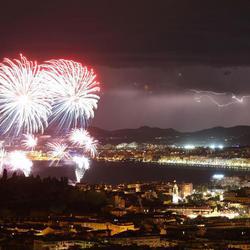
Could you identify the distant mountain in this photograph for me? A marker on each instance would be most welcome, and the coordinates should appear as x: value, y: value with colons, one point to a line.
x: 232, y: 136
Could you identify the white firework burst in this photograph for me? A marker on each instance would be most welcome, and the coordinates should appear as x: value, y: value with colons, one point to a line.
x: 90, y: 146
x: 30, y: 141
x: 58, y: 151
x: 17, y: 160
x: 82, y: 164
x: 25, y: 102
x: 74, y: 90
x: 81, y: 137
x: 78, y: 136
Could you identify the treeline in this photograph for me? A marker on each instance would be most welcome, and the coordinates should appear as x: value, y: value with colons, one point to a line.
x: 20, y: 195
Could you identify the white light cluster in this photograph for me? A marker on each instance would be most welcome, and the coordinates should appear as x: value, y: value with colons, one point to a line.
x: 215, y: 146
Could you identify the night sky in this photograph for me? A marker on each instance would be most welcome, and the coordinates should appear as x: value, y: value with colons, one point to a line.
x: 149, y: 55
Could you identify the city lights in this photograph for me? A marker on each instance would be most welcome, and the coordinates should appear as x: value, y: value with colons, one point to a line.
x: 218, y: 176
x: 189, y: 146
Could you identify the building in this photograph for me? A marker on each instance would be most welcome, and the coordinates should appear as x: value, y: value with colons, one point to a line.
x: 186, y: 189
x: 151, y: 241
x: 175, y: 194
x: 119, y: 202
x: 61, y: 244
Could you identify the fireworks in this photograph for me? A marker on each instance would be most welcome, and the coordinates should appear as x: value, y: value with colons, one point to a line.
x: 74, y: 92
x: 17, y: 160
x: 81, y: 137
x: 82, y: 164
x: 91, y: 146
x: 60, y: 92
x: 2, y: 158
x: 78, y: 136
x: 58, y: 151
x: 24, y: 97
x: 30, y: 141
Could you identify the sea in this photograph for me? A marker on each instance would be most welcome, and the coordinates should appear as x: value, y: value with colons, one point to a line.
x: 129, y: 172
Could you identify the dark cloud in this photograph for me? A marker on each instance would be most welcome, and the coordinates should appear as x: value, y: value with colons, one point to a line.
x: 129, y: 33
x: 178, y: 79
x: 148, y: 54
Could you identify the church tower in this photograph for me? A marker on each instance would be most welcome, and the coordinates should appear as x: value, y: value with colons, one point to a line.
x: 175, y: 194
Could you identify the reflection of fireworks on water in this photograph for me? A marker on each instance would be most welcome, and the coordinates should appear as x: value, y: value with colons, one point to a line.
x: 24, y: 97
x: 58, y: 151
x: 81, y: 137
x: 74, y: 92
x: 30, y: 141
x: 82, y: 164
x: 17, y: 160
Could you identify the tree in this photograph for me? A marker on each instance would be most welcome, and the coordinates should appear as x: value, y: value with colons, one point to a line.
x: 5, y: 175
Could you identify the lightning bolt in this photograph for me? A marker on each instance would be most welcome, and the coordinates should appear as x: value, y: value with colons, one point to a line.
x: 203, y: 94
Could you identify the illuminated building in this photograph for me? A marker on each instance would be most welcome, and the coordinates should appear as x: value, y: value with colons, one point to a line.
x: 175, y: 195
x: 62, y: 245
x: 186, y: 189
x: 119, y: 202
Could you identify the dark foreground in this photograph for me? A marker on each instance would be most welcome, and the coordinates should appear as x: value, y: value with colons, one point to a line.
x: 47, y: 214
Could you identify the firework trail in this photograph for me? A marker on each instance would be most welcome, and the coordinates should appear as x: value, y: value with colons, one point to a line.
x: 25, y: 102
x: 74, y: 92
